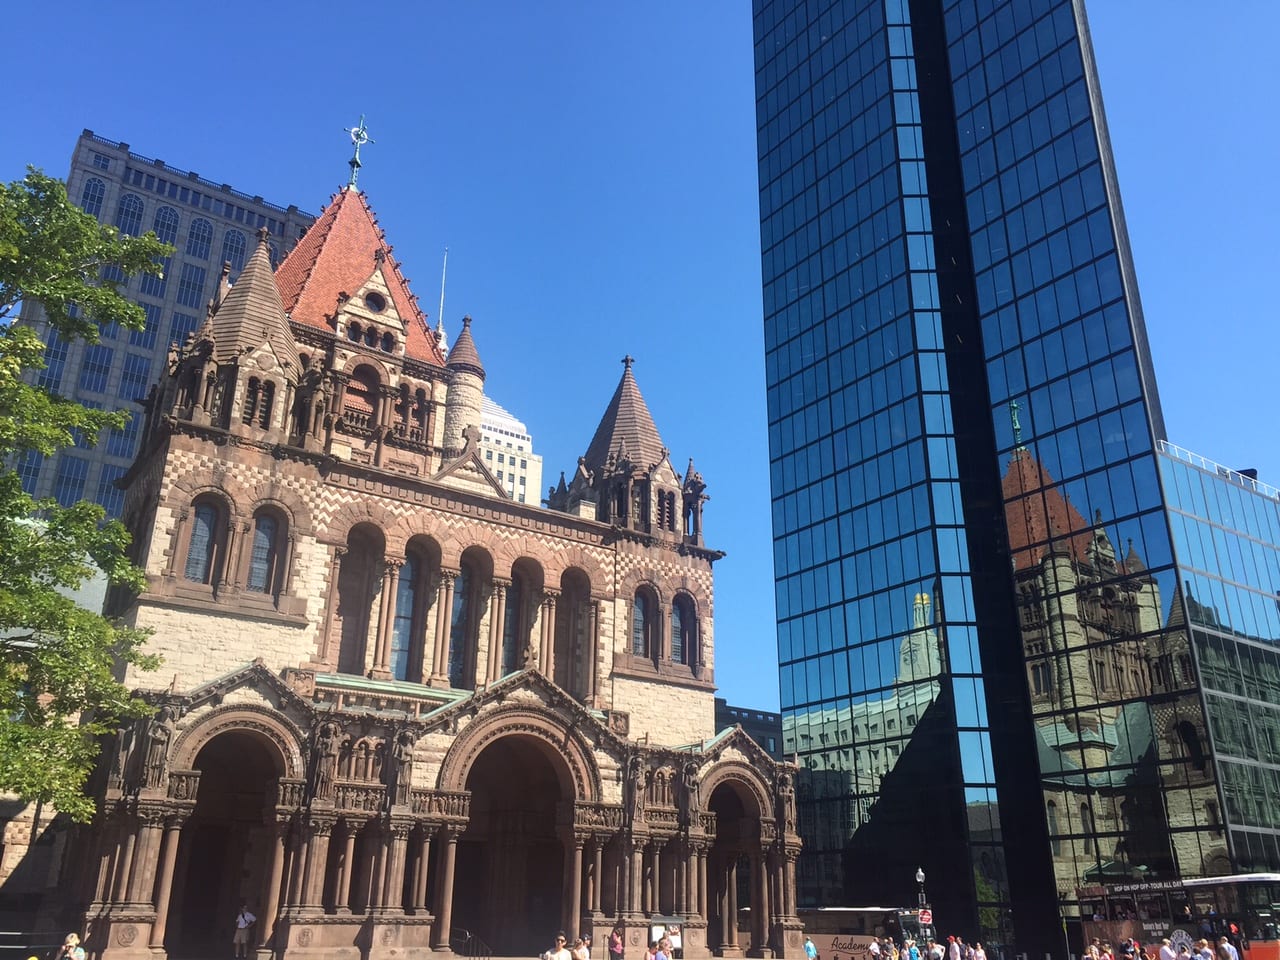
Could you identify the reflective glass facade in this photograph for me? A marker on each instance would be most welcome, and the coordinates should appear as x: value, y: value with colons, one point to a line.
x: 985, y: 662
x: 1226, y: 531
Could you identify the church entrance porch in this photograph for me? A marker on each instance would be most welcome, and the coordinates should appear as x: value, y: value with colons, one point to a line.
x: 226, y: 848
x: 512, y: 889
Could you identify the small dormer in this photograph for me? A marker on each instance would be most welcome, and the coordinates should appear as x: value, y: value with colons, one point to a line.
x: 369, y: 317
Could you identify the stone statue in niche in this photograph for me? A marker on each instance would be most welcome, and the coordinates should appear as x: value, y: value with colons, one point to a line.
x: 634, y: 786
x: 786, y: 802
x: 327, y: 746
x: 400, y: 770
x: 159, y: 736
x: 690, y: 798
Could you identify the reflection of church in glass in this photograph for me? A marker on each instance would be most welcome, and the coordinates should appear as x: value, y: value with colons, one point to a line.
x: 857, y: 747
x: 1121, y: 739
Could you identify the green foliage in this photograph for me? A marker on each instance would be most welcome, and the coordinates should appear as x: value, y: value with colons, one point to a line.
x: 58, y: 673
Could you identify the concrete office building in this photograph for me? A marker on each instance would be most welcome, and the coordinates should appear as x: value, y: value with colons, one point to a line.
x: 208, y: 224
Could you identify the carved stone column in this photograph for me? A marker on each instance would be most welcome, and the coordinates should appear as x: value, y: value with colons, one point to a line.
x: 320, y: 828
x: 342, y: 893
x: 444, y: 620
x: 703, y: 905
x: 226, y: 576
x: 421, y: 873
x: 573, y: 884
x: 393, y: 884
x: 275, y: 879
x: 331, y: 608
x: 592, y: 653
x: 146, y: 854
x: 597, y: 875
x: 386, y: 618
x: 164, y: 886
x: 444, y: 908
x: 549, y: 633
x: 497, y: 618
x: 124, y: 861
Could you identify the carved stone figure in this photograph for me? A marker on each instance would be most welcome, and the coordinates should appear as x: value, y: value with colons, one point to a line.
x: 786, y: 803
x: 690, y: 796
x: 327, y: 747
x: 159, y: 736
x: 400, y: 770
x: 634, y: 787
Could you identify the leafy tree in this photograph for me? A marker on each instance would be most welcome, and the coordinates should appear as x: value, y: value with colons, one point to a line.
x: 59, y: 691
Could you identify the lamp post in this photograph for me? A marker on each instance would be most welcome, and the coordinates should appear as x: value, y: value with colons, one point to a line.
x: 920, y: 881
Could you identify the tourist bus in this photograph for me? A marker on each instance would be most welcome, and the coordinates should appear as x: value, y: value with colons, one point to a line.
x: 845, y: 933
x: 1245, y: 908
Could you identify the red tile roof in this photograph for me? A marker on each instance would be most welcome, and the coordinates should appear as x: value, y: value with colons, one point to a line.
x: 337, y: 255
x: 1036, y: 510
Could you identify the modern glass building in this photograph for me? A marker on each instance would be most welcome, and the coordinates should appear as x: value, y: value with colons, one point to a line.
x: 986, y: 668
x: 208, y: 224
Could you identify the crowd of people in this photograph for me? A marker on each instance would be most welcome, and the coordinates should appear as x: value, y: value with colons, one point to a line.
x: 1130, y: 949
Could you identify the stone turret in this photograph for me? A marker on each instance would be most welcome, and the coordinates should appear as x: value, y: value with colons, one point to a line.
x: 466, y: 392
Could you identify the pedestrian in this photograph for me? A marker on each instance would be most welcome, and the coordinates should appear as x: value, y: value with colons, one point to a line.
x: 617, y: 942
x: 810, y: 950
x: 71, y: 949
x: 586, y: 946
x: 557, y: 951
x: 244, y: 930
x: 874, y: 949
x: 978, y: 952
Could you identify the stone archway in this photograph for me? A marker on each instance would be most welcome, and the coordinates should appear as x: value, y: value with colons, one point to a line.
x: 226, y: 847
x: 737, y: 863
x: 510, y: 889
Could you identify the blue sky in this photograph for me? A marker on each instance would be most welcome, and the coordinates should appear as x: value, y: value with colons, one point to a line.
x: 591, y: 167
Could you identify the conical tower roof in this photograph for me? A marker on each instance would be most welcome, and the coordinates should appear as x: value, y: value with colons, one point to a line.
x: 251, y: 313
x: 464, y: 355
x: 1042, y: 516
x: 626, y: 426
x: 336, y: 256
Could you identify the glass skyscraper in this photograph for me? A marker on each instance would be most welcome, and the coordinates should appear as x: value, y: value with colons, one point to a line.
x: 986, y: 664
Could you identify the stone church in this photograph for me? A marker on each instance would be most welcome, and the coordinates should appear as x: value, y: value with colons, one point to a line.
x: 399, y: 712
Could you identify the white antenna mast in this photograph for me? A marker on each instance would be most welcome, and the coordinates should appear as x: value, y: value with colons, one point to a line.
x: 441, y: 337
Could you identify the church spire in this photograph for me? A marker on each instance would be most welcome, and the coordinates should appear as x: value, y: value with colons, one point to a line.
x: 251, y: 313
x: 626, y: 425
x: 359, y: 137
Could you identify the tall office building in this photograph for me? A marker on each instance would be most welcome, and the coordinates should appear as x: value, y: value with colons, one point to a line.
x: 508, y: 452
x: 986, y: 666
x: 208, y: 224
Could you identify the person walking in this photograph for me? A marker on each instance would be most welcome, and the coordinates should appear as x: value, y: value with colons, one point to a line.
x: 557, y: 951
x: 617, y: 942
x: 810, y: 951
x: 244, y: 930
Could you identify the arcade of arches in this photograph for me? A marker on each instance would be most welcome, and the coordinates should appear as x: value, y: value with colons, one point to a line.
x: 481, y: 827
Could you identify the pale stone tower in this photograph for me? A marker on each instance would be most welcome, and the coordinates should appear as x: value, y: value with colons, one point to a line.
x: 466, y: 392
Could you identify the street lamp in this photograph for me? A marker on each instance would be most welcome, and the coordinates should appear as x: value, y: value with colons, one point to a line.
x: 920, y: 881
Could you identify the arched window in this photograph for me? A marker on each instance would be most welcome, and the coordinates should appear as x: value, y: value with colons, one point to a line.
x: 129, y: 215
x: 233, y: 247
x: 1055, y: 840
x: 200, y: 238
x: 202, y: 547
x: 95, y: 191
x: 644, y: 624
x: 353, y: 331
x: 166, y: 225
x: 266, y: 558
x: 1191, y: 743
x: 360, y: 573
x: 1086, y: 825
x: 361, y: 404
x: 252, y: 392
x: 264, y: 406
x: 371, y: 337
x: 406, y: 613
x: 684, y: 630
x: 388, y: 343
x: 460, y: 629
x: 511, y: 621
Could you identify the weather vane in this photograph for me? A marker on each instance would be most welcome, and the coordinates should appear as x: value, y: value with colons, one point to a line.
x: 359, y: 137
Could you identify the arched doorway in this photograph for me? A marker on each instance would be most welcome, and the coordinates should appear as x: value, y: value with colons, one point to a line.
x: 736, y: 870
x: 225, y: 851
x: 509, y: 886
